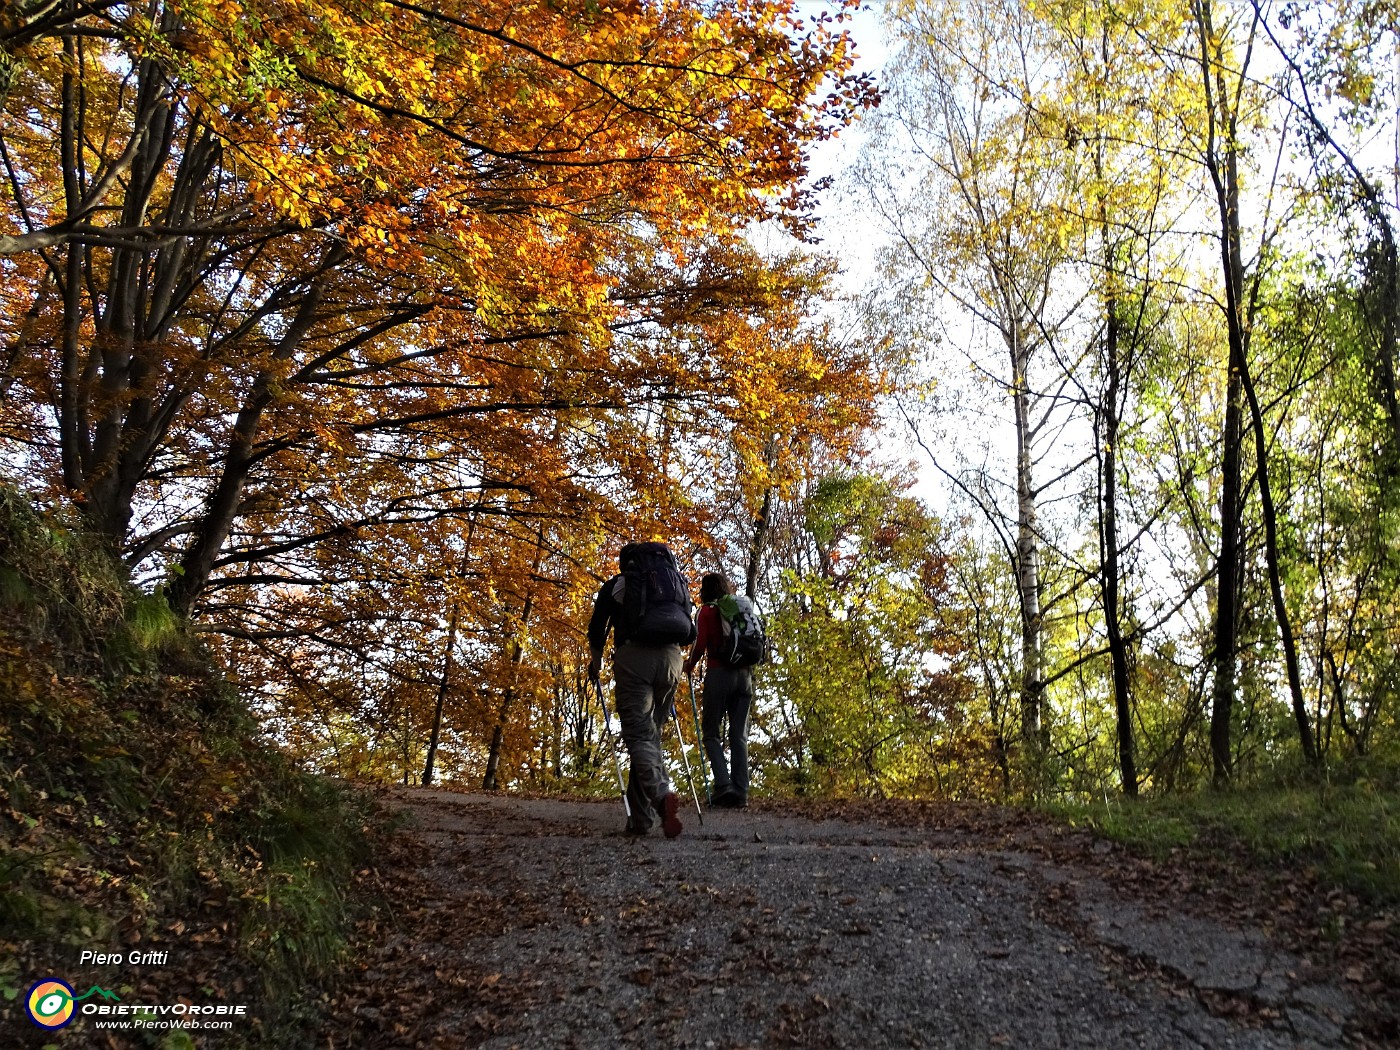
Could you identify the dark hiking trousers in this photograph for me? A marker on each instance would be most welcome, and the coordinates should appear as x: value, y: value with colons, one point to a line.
x: 728, y: 695
x: 645, y: 679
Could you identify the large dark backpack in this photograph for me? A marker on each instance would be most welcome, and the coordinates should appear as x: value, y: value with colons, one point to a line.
x: 656, y: 605
x: 742, y: 641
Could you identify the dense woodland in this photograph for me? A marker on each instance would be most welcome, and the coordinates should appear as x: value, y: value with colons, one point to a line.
x: 365, y: 331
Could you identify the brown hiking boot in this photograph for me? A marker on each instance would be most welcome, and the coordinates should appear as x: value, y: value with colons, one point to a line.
x: 670, y: 822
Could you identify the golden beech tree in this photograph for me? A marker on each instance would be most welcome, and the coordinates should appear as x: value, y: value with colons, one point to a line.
x: 459, y: 606
x: 341, y: 319
x: 251, y: 240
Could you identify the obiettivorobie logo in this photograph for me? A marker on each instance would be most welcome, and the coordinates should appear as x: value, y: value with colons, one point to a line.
x: 50, y: 1003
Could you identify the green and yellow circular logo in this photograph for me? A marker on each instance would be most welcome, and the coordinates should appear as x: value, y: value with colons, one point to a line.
x: 50, y: 1003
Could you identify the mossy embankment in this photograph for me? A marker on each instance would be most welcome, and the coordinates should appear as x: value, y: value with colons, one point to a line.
x: 142, y: 816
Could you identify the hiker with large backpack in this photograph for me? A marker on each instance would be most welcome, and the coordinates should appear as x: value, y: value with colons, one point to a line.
x: 647, y: 606
x: 730, y: 640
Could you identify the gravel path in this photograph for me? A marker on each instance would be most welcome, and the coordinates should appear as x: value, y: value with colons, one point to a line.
x: 537, y: 923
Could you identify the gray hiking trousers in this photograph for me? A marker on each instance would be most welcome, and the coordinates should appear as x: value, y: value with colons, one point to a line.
x: 728, y: 697
x: 645, y: 680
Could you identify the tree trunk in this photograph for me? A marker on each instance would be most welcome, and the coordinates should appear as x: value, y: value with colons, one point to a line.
x: 1285, y: 626
x: 1109, y: 568
x: 1110, y: 572
x: 1386, y: 290
x: 517, y: 655
x: 441, y: 697
x: 1027, y: 564
x: 489, y: 782
x: 222, y: 509
x: 762, y: 525
x: 1224, y: 173
x: 116, y: 460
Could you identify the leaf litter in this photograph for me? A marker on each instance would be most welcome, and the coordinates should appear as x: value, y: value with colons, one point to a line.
x: 515, y: 922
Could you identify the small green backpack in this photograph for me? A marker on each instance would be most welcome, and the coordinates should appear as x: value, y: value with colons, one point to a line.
x: 743, y: 643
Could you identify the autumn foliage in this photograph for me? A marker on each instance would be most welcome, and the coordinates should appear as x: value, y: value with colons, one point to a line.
x: 364, y: 330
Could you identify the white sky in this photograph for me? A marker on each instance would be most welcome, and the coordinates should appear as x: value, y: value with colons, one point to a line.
x: 846, y: 229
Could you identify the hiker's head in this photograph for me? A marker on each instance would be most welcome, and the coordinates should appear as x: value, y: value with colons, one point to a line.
x: 625, y: 555
x: 714, y: 586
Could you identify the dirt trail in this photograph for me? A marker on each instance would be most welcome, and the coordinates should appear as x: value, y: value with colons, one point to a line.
x: 537, y: 923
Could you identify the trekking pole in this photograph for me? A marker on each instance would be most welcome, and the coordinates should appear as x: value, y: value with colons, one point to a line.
x: 617, y: 761
x: 699, y: 737
x: 675, y: 713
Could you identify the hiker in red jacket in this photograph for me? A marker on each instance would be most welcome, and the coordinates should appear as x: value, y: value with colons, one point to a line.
x: 728, y: 695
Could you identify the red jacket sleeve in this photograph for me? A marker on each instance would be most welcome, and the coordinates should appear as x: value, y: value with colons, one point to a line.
x: 708, y: 632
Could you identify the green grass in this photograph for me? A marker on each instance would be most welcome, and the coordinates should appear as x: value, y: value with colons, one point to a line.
x: 1347, y: 835
x: 308, y: 840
